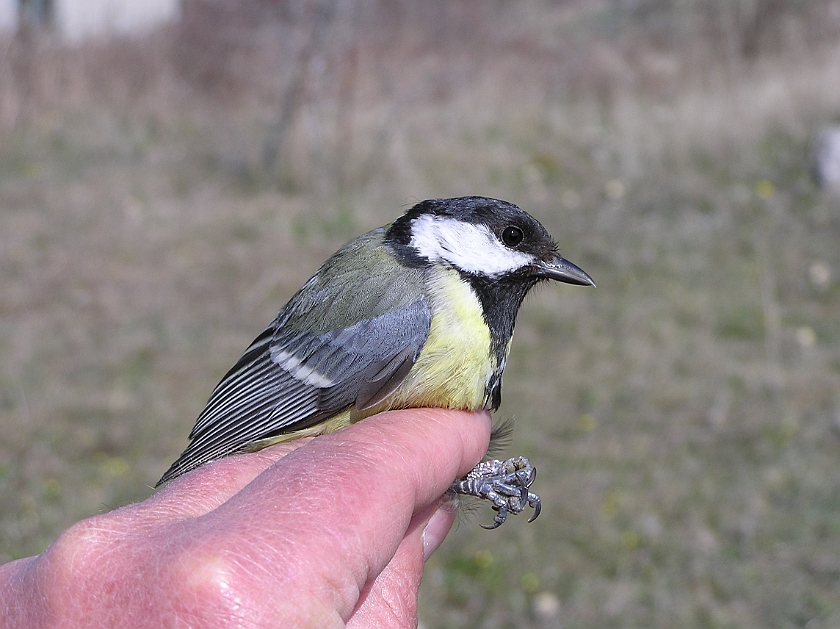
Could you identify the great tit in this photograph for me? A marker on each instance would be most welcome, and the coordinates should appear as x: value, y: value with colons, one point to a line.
x: 418, y: 313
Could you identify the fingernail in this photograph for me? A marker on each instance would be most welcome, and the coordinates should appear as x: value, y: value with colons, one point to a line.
x: 436, y: 530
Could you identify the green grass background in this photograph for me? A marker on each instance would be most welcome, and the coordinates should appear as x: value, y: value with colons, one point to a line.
x: 157, y: 207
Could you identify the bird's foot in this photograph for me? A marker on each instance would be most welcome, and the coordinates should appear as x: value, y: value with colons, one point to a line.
x: 506, y: 484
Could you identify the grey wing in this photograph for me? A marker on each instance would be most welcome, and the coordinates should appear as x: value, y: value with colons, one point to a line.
x: 288, y: 380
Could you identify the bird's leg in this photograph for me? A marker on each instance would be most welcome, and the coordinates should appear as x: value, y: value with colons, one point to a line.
x: 506, y: 484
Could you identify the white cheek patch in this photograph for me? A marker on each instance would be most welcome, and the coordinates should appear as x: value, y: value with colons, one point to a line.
x: 468, y: 247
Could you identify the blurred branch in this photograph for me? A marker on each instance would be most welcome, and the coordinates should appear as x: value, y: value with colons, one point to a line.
x: 346, y: 102
x: 764, y: 16
x: 293, y: 97
x: 772, y: 312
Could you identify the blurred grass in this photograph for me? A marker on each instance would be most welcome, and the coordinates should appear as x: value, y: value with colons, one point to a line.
x: 684, y: 416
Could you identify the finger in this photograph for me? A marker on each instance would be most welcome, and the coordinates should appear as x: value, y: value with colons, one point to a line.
x: 391, y: 600
x: 438, y: 528
x: 211, y: 485
x: 336, y: 510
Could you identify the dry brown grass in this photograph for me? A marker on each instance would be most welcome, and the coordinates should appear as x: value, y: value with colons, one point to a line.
x: 683, y: 416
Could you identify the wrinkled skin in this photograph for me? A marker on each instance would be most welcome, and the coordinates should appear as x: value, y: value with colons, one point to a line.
x: 329, y: 533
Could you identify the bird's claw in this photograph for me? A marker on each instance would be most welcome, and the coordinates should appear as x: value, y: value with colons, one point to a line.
x: 506, y: 484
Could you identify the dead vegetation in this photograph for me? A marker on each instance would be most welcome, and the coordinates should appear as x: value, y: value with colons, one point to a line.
x: 161, y: 198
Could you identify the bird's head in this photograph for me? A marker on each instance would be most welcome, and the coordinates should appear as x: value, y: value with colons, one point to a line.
x: 481, y: 237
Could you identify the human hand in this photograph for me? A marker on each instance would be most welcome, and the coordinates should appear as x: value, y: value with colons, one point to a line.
x: 333, y: 532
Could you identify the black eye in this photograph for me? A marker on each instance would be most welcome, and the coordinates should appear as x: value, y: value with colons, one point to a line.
x: 512, y: 236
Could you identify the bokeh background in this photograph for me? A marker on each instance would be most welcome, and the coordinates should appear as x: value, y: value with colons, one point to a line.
x: 162, y: 194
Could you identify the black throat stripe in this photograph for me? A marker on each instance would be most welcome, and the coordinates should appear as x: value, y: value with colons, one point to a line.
x: 500, y: 300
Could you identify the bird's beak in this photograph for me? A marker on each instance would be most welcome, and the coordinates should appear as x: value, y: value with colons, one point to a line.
x: 562, y: 270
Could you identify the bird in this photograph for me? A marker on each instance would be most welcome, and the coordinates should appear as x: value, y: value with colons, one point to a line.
x: 417, y: 313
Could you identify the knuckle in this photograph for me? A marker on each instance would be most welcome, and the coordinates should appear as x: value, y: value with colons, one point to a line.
x: 81, y: 547
x: 214, y: 585
x: 78, y: 567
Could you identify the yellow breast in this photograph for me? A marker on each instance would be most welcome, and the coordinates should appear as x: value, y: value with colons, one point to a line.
x: 456, y: 363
